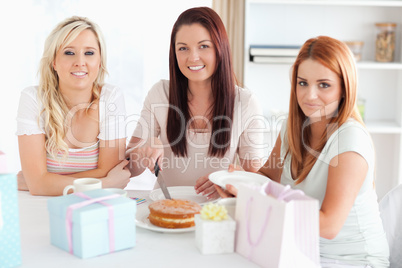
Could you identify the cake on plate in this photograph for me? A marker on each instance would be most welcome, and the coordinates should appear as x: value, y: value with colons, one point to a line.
x: 173, y: 213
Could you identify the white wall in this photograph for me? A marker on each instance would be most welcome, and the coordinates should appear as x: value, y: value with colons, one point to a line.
x: 137, y: 35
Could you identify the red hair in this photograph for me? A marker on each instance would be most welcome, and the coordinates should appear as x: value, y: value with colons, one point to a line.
x: 336, y: 56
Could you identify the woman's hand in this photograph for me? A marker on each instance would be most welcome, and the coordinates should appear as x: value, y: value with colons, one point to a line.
x: 117, y: 177
x: 230, y: 191
x: 205, y: 187
x: 145, y: 154
x: 22, y: 185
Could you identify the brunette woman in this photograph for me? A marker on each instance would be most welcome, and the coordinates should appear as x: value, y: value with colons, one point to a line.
x: 199, y: 121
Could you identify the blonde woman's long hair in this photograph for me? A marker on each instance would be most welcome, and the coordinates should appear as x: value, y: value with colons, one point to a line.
x: 55, y: 108
x: 336, y: 56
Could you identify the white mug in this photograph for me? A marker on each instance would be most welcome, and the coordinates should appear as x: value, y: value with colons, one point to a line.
x: 83, y: 184
x: 117, y: 191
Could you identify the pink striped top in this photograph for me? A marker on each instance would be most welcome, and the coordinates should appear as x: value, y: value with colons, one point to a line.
x: 78, y: 160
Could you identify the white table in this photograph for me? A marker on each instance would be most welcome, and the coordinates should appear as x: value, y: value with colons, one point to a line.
x: 153, y: 249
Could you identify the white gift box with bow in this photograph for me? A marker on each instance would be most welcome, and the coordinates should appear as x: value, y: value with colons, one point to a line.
x: 214, y: 237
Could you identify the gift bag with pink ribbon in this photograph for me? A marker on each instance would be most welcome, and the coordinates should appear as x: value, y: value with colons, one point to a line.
x: 277, y: 226
x: 92, y: 223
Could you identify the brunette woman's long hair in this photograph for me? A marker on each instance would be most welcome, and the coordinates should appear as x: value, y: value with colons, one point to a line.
x: 223, y: 86
x: 336, y: 56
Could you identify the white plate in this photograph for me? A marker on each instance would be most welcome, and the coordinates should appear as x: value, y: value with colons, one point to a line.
x: 180, y: 192
x: 236, y: 178
x: 141, y: 220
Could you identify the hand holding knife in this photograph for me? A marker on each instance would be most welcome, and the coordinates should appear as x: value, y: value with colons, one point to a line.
x: 161, y: 182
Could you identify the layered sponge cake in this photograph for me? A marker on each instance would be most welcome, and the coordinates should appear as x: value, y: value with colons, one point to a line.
x: 175, y: 213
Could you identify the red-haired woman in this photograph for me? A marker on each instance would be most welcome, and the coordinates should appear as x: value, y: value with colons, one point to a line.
x: 199, y: 120
x: 325, y: 150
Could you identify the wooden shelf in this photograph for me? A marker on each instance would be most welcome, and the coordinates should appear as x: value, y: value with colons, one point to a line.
x: 368, y: 65
x: 395, y: 3
x: 379, y: 65
x: 374, y: 127
x: 383, y: 127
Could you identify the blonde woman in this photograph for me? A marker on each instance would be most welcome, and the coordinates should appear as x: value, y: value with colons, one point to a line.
x: 325, y: 150
x: 72, y: 124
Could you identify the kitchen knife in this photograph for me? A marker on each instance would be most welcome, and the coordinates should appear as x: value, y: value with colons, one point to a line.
x: 161, y: 182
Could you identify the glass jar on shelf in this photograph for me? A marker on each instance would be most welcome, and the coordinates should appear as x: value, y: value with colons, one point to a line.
x: 356, y: 47
x: 385, y: 42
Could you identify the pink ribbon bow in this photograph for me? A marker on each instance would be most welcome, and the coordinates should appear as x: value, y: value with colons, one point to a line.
x: 89, y: 201
x: 280, y: 192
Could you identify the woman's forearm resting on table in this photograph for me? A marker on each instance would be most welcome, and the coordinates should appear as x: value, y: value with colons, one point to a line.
x: 47, y: 183
x: 41, y: 182
x: 53, y: 184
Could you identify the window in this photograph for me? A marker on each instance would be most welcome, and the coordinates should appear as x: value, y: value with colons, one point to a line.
x: 137, y: 35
